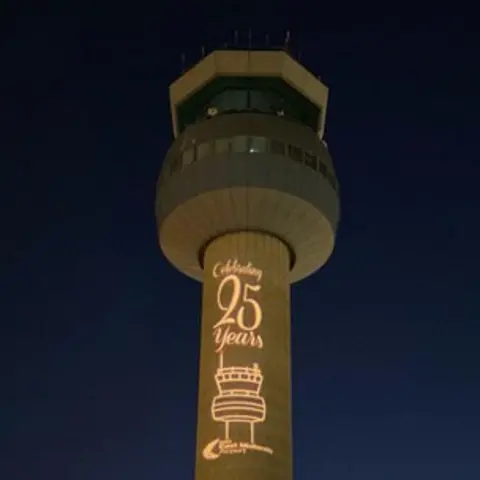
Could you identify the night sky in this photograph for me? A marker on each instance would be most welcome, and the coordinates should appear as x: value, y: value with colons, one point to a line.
x: 100, y: 335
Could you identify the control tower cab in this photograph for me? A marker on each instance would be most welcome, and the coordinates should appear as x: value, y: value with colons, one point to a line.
x: 248, y: 156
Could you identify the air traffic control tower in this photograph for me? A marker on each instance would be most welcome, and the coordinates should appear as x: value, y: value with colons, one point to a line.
x: 247, y: 203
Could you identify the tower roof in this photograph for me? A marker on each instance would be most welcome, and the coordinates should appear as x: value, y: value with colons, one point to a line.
x: 249, y: 63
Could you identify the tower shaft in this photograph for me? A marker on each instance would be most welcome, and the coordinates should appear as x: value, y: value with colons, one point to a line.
x: 244, y: 398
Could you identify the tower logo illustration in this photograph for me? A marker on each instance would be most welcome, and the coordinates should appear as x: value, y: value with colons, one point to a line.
x: 238, y: 399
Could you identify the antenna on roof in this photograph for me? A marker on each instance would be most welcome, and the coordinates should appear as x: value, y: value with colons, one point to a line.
x: 267, y: 39
x: 287, y: 39
x: 249, y: 38
x: 235, y: 37
x: 203, y: 51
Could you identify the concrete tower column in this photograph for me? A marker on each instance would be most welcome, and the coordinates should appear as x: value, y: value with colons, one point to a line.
x: 244, y: 386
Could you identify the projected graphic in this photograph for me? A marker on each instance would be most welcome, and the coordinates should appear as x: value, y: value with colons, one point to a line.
x: 239, y: 399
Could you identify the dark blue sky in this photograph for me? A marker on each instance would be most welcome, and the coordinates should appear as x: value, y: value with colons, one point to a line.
x: 100, y: 335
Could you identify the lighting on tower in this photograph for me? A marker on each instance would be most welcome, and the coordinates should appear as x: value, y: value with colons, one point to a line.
x: 247, y: 203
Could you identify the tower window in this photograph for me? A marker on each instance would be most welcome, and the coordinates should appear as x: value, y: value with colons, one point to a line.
x: 204, y: 150
x: 223, y: 145
x: 277, y: 147
x: 257, y: 145
x: 311, y: 160
x: 176, y: 165
x: 233, y: 99
x: 322, y: 169
x: 262, y: 101
x: 295, y: 153
x: 265, y: 95
x: 188, y: 157
x: 239, y: 144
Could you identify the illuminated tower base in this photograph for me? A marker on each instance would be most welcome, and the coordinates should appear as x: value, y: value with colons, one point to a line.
x: 245, y: 360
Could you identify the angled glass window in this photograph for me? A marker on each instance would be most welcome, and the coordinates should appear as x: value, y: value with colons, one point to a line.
x: 204, y: 150
x: 238, y: 100
x: 322, y: 169
x: 188, y: 157
x: 223, y: 145
x: 230, y: 100
x: 176, y: 165
x: 240, y: 144
x: 263, y: 101
x: 295, y: 153
x: 277, y: 147
x: 311, y: 160
x: 257, y: 145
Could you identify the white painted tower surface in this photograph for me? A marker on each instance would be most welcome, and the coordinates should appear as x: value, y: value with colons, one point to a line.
x: 247, y: 203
